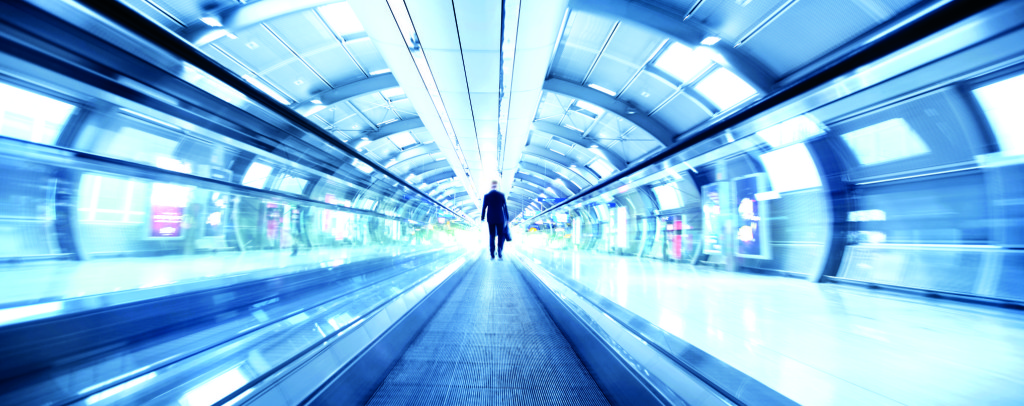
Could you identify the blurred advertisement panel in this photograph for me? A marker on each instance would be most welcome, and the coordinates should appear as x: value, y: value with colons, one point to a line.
x: 167, y: 209
x: 712, y: 206
x: 752, y: 232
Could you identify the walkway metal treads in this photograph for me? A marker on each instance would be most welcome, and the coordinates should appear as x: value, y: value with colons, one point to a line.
x: 490, y: 343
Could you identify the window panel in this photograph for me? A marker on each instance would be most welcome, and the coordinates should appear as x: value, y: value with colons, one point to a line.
x: 724, y: 89
x: 1001, y: 103
x: 887, y: 141
x: 681, y: 62
x: 257, y: 175
x: 31, y: 117
x: 791, y: 168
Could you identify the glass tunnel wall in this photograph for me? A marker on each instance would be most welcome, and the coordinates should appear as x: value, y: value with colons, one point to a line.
x: 918, y: 191
x: 88, y: 180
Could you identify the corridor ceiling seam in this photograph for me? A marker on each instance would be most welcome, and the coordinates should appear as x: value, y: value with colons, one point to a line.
x: 155, y: 34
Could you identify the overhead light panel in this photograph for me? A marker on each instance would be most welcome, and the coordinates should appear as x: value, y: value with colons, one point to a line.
x: 212, y: 21
x: 794, y: 130
x: 341, y: 19
x: 724, y: 89
x: 589, y: 107
x: 601, y: 89
x: 392, y: 93
x: 681, y: 62
x: 380, y: 72
x: 402, y: 139
x: 709, y: 41
x: 313, y: 109
x: 362, y: 166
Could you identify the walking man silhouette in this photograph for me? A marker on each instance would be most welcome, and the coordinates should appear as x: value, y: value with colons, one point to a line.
x: 496, y: 214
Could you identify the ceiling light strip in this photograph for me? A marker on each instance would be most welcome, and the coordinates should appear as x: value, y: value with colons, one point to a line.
x: 507, y: 54
x: 408, y: 30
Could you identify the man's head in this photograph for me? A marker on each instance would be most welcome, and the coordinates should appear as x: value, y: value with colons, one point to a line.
x: 494, y: 185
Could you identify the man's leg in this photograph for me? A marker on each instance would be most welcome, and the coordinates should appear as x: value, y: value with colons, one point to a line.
x: 501, y: 239
x: 492, y: 231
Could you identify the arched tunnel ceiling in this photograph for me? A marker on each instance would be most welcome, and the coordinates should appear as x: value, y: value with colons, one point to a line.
x: 578, y: 90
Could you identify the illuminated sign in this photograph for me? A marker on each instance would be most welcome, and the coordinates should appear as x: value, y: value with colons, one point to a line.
x: 167, y: 209
x: 711, y: 204
x: 752, y: 231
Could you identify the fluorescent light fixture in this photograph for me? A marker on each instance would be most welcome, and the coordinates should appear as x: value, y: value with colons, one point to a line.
x: 380, y: 72
x: 257, y: 175
x: 724, y: 89
x: 1001, y: 102
x: 890, y: 140
x: 12, y: 314
x: 601, y: 89
x: 212, y: 21
x: 668, y: 196
x: 602, y: 168
x: 791, y: 131
x: 392, y: 93
x: 709, y: 41
x: 341, y: 19
x: 390, y: 163
x: 559, y: 153
x: 362, y: 166
x: 403, y: 139
x: 681, y: 62
x: 765, y: 196
x: 313, y: 109
x: 317, y: 101
x: 172, y: 164
x: 292, y: 184
x: 589, y: 107
x: 571, y: 127
x: 362, y: 143
x: 265, y: 89
x: 215, y: 389
x: 691, y: 167
x: 791, y: 168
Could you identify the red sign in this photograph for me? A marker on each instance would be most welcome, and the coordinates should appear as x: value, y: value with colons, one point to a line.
x: 165, y: 221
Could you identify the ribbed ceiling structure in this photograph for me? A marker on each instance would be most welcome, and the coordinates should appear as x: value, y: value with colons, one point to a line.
x: 547, y: 96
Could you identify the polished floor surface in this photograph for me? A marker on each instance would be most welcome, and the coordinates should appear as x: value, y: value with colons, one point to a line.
x: 818, y: 344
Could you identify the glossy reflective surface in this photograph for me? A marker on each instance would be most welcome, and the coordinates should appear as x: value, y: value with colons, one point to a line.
x: 817, y: 343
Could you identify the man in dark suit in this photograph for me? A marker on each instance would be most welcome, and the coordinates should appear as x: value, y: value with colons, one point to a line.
x: 496, y: 214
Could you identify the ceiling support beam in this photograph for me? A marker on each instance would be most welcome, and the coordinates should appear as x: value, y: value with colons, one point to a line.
x: 566, y: 179
x: 242, y: 16
x: 609, y: 103
x: 569, y: 135
x: 686, y: 31
x: 355, y: 89
x: 542, y: 180
x: 393, y: 128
